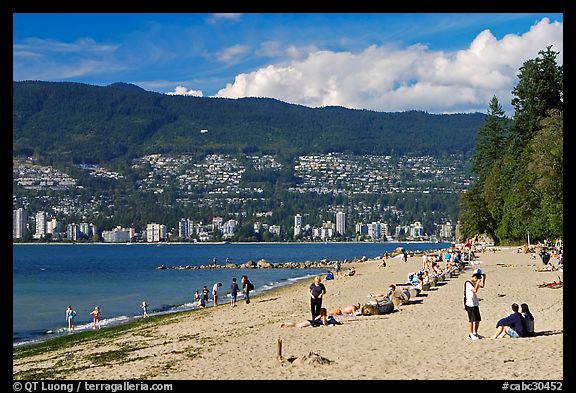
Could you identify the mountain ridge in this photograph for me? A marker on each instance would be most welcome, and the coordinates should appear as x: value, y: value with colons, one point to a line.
x: 66, y: 121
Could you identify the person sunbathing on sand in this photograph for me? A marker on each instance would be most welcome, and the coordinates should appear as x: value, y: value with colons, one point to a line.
x: 353, y: 309
x: 548, y: 268
x: 322, y: 319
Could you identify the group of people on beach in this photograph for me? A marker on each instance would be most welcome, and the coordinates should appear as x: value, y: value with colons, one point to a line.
x: 201, y: 300
x: 518, y: 323
x: 71, y: 314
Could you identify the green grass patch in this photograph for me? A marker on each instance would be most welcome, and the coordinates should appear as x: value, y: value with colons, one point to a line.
x: 105, y: 334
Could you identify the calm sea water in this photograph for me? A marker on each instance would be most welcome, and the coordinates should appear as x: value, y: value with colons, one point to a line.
x: 118, y: 277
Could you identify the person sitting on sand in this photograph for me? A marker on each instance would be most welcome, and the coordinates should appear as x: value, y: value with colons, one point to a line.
x: 353, y: 309
x: 512, y: 325
x: 351, y: 272
x: 394, y: 295
x: 528, y: 320
x: 321, y: 320
x: 384, y: 261
x: 425, y: 277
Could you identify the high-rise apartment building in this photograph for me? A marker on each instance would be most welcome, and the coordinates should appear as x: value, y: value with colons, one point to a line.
x: 41, y: 225
x: 19, y: 223
x: 341, y: 223
x: 297, y: 224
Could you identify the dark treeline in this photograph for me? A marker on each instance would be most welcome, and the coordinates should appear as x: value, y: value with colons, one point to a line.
x: 519, y: 161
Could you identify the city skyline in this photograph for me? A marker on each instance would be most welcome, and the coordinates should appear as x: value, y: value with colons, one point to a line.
x: 46, y: 227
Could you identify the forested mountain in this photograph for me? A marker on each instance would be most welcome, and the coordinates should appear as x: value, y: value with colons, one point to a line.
x: 79, y: 123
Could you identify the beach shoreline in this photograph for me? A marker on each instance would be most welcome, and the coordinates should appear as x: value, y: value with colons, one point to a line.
x: 197, y: 344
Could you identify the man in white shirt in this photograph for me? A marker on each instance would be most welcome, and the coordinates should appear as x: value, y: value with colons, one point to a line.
x: 215, y: 293
x: 471, y: 304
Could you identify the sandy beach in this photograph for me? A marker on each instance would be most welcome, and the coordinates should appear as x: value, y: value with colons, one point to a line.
x: 426, y: 340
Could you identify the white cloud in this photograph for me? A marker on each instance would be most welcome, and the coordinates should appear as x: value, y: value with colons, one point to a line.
x: 394, y: 79
x: 182, y: 91
x: 81, y: 45
x: 232, y: 17
x: 231, y: 53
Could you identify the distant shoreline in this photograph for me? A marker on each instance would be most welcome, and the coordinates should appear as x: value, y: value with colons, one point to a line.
x: 216, y: 243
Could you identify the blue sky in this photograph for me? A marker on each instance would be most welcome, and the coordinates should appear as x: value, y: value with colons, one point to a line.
x: 440, y: 63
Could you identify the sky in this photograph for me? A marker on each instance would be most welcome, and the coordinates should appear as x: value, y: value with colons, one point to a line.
x: 386, y: 62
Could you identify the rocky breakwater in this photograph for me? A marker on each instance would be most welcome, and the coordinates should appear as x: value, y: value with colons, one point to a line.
x: 264, y: 264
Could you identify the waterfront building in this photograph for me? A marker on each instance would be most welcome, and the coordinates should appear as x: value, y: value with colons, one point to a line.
x: 228, y: 228
x: 19, y: 223
x: 341, y: 223
x: 155, y: 232
x: 361, y: 229
x: 73, y: 231
x: 118, y: 235
x: 41, y: 225
x: 446, y: 231
x: 217, y: 222
x: 297, y: 224
x: 183, y: 228
x: 416, y: 230
x: 274, y: 229
x: 87, y: 229
x: 54, y: 227
x: 374, y: 231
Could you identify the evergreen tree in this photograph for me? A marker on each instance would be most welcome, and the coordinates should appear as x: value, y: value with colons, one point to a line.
x: 490, y: 141
x: 521, y: 190
x: 539, y: 89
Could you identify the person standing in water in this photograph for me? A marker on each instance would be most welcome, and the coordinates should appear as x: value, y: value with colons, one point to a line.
x: 144, y: 308
x: 247, y: 286
x: 233, y: 292
x: 215, y: 293
x: 96, y: 314
x: 70, y: 314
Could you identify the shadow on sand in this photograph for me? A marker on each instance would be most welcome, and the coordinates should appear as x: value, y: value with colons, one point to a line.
x: 548, y: 332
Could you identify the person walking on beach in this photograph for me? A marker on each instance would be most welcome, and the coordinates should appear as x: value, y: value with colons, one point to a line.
x: 247, y: 286
x: 338, y: 269
x: 233, y: 292
x: 70, y: 314
x: 405, y: 256
x: 316, y: 291
x: 96, y: 314
x: 144, y: 308
x: 471, y: 304
x: 215, y: 293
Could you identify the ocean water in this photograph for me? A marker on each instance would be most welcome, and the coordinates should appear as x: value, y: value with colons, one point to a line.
x: 118, y: 277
